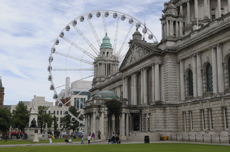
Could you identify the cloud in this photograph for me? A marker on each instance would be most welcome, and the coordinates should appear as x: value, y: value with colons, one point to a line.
x: 29, y: 27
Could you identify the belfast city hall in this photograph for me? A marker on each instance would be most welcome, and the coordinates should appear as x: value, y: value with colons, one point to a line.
x: 179, y: 87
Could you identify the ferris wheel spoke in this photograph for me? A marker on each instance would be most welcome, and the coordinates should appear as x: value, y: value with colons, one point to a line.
x: 75, y: 81
x: 72, y: 57
x: 94, y: 32
x: 116, y: 33
x: 121, y: 48
x: 104, y: 24
x: 77, y: 118
x: 83, y: 69
x: 87, y: 41
x: 79, y: 48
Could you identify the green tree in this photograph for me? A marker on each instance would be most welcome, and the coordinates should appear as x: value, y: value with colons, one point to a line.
x: 44, y: 118
x: 5, y: 119
x: 68, y: 123
x: 56, y: 132
x: 20, y: 117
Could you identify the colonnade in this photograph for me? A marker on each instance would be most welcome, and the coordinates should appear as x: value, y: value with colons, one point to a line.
x: 107, y: 125
x: 172, y: 27
x: 143, y: 90
x: 105, y: 69
x: 197, y: 68
x: 206, y: 8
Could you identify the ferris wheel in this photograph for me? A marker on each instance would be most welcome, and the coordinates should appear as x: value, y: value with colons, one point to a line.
x: 78, y: 44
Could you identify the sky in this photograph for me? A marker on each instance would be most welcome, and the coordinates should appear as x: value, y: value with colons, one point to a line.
x: 29, y: 28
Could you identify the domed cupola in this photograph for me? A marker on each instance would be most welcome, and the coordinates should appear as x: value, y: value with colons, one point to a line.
x: 106, y: 43
x: 171, y: 9
x: 137, y: 35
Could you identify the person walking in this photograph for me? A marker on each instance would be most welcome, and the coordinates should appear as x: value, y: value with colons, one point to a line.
x: 82, y: 139
x: 89, y: 138
x: 93, y: 137
x: 6, y: 137
x: 99, y: 134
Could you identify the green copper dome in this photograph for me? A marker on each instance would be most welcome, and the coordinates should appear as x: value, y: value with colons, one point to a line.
x: 106, y: 42
x: 106, y: 94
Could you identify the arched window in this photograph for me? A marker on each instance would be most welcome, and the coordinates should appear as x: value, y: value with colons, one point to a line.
x: 209, y: 78
x: 190, y: 83
x: 229, y: 72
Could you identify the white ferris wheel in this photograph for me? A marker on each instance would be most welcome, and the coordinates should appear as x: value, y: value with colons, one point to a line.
x: 77, y: 45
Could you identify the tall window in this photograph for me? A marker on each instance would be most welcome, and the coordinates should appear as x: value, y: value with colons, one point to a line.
x: 190, y: 83
x: 203, y: 119
x: 209, y: 78
x: 225, y: 112
x: 210, y: 119
x: 229, y: 72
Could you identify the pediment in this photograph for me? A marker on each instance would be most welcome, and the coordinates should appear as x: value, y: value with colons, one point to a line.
x: 135, y: 54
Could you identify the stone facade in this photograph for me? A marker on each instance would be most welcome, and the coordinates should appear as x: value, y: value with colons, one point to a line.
x: 158, y: 96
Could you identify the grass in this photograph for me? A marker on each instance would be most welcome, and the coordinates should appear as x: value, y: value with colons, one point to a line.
x: 162, y: 147
x: 9, y: 142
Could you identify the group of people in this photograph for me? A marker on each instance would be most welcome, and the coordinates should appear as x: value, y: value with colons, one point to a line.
x: 114, y: 139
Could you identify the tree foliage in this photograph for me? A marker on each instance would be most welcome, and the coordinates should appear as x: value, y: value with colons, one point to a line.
x: 67, y: 123
x: 5, y: 119
x: 44, y: 118
x: 20, y: 117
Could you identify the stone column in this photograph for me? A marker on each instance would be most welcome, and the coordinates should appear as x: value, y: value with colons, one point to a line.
x: 153, y: 83
x: 177, y: 29
x: 188, y: 12
x: 181, y: 9
x: 214, y: 70
x: 145, y: 87
x: 181, y: 28
x: 171, y: 28
x: 167, y: 23
x: 165, y: 30
x: 199, y: 76
x: 219, y: 8
x: 157, y: 82
x: 162, y: 30
x: 182, y: 80
x: 132, y: 90
x: 228, y: 5
x: 135, y: 88
x: 220, y: 69
x: 123, y: 124
x: 146, y: 122
x: 86, y: 124
x: 113, y: 123
x: 127, y: 124
x: 94, y: 123
x: 102, y: 124
x: 142, y: 87
x: 89, y: 125
x: 194, y: 76
x: 196, y: 8
x: 205, y: 8
x: 124, y: 88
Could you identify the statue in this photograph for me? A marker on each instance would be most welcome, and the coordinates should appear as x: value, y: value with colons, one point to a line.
x: 33, y: 123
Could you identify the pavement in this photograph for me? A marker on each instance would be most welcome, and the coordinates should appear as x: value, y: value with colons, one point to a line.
x: 98, y: 142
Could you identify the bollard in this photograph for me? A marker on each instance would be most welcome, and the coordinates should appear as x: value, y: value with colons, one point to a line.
x: 176, y: 137
x: 211, y: 138
x: 203, y: 138
x: 188, y: 138
x: 171, y: 137
x: 229, y: 139
x: 182, y: 137
x: 195, y: 138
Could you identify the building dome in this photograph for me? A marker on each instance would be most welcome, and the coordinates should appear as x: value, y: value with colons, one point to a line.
x: 137, y: 35
x: 106, y: 94
x: 106, y: 42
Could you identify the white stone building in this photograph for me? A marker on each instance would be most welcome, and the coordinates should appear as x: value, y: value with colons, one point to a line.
x: 178, y: 88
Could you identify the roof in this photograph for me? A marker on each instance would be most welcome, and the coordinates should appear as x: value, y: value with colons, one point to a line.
x: 106, y: 94
x: 106, y: 42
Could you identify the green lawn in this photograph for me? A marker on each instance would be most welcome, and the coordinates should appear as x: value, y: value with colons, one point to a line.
x: 2, y: 142
x: 164, y: 147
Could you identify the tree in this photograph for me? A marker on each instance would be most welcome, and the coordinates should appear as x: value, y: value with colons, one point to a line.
x: 20, y: 117
x: 56, y: 132
x: 44, y: 118
x: 68, y: 124
x: 5, y: 119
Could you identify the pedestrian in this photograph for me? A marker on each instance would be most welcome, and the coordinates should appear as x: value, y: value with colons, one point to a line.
x: 99, y: 134
x: 82, y: 139
x: 50, y: 138
x: 6, y: 137
x: 89, y: 138
x: 93, y: 137
x: 117, y: 138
